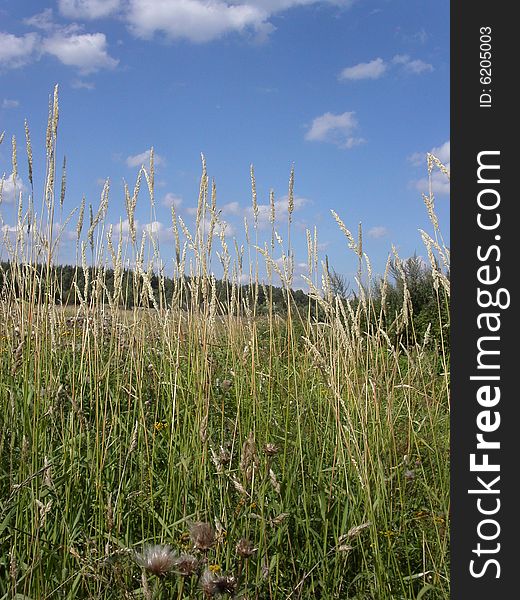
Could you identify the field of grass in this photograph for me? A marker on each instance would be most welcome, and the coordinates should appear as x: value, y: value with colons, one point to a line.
x: 196, y: 449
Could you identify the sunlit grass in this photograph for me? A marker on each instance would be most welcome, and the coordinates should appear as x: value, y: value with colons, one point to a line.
x: 185, y: 446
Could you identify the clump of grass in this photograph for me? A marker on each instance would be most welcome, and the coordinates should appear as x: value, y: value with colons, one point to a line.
x: 248, y: 452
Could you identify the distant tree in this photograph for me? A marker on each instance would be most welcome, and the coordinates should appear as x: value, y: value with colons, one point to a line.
x: 339, y: 284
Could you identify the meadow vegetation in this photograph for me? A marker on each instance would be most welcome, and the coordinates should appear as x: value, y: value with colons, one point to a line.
x: 183, y: 437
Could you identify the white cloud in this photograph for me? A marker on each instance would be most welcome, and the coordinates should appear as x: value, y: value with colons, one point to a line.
x: 378, y: 67
x: 441, y: 152
x: 231, y: 208
x: 86, y: 51
x: 281, y: 211
x: 171, y: 199
x: 88, y: 9
x: 418, y: 159
x: 220, y: 227
x: 8, y: 103
x: 143, y: 159
x: 155, y: 228
x: 123, y: 227
x: 369, y: 70
x: 418, y: 37
x: 418, y: 66
x: 206, y: 20
x: 9, y: 229
x: 414, y: 67
x: 10, y: 188
x: 377, y: 232
x: 43, y: 20
x: 336, y: 129
x: 16, y: 51
x: 234, y: 209
x: 440, y: 183
x: 79, y: 84
x: 299, y: 268
x: 195, y: 20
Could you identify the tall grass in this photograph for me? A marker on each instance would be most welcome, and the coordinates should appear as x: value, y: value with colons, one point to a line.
x: 315, y: 445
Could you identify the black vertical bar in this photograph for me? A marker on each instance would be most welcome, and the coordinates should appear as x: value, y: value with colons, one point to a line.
x: 485, y: 520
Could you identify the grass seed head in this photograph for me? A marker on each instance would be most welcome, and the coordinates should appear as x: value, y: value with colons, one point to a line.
x: 356, y: 530
x: 249, y: 458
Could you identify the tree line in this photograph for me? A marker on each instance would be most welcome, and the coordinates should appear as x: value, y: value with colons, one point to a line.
x: 69, y: 285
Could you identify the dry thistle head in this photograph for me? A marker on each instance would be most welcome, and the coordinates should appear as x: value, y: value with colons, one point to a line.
x: 245, y: 548
x: 213, y: 585
x: 271, y: 449
x: 224, y: 456
x: 159, y: 560
x: 226, y: 385
x: 409, y: 474
x: 202, y: 536
x: 186, y: 565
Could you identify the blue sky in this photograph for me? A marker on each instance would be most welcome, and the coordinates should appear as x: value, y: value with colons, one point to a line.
x: 353, y: 93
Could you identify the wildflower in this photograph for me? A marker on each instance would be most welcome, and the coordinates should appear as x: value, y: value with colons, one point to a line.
x: 202, y: 536
x: 214, y: 568
x: 213, y: 584
x: 388, y: 533
x: 245, y: 548
x: 158, y: 559
x: 186, y: 565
